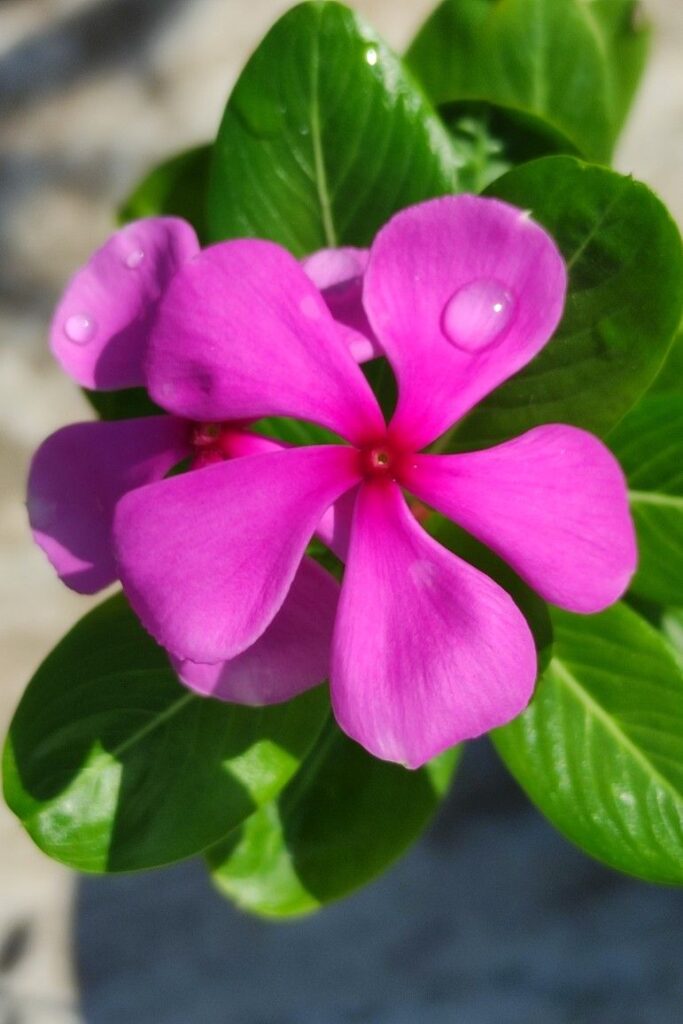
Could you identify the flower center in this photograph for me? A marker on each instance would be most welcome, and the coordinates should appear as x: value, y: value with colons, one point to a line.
x: 211, y: 443
x: 379, y: 461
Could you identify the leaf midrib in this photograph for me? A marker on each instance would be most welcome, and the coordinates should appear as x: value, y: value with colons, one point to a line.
x: 154, y: 723
x: 608, y: 722
x: 655, y: 498
x: 321, y: 183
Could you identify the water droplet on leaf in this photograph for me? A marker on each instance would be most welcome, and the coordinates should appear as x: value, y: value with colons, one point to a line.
x: 80, y: 328
x: 477, y: 314
x: 134, y: 258
x: 371, y: 56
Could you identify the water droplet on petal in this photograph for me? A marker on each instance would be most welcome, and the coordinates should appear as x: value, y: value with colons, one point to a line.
x: 80, y: 328
x: 477, y: 314
x: 134, y: 258
x: 371, y: 56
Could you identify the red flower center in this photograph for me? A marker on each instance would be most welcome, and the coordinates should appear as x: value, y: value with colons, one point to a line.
x: 211, y: 443
x: 380, y: 461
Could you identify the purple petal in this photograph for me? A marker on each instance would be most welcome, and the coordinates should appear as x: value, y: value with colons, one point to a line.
x: 334, y: 529
x: 338, y: 274
x: 427, y: 650
x: 76, y: 478
x: 553, y: 503
x: 100, y: 327
x: 207, y: 558
x: 461, y: 292
x: 291, y: 656
x: 243, y: 333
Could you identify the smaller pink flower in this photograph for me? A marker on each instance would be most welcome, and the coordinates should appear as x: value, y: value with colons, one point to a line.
x: 460, y: 293
x: 99, y: 335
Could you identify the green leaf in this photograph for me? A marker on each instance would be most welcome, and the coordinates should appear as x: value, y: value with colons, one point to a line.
x: 489, y: 140
x: 670, y: 377
x: 122, y: 405
x: 176, y: 188
x: 672, y: 627
x: 343, y: 819
x: 624, y: 303
x: 112, y: 765
x: 571, y: 62
x: 649, y: 445
x: 600, y: 748
x: 325, y: 136
x: 626, y: 35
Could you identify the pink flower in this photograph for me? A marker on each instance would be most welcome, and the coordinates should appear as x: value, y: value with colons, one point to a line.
x: 99, y: 334
x: 461, y: 293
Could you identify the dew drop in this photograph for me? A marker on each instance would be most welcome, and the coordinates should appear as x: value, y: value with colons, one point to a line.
x: 134, y: 258
x: 371, y: 56
x: 80, y: 328
x: 477, y: 314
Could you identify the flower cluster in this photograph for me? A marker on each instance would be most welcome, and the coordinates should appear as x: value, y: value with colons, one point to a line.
x: 422, y: 650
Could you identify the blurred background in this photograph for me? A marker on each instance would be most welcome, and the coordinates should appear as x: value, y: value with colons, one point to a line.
x: 493, y: 918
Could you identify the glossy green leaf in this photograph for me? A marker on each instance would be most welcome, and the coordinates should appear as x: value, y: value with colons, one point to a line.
x: 625, y: 32
x: 324, y: 137
x: 176, y: 188
x: 670, y: 377
x: 623, y: 307
x: 672, y: 627
x: 343, y: 819
x: 112, y: 765
x: 489, y: 140
x: 600, y: 748
x: 572, y: 62
x: 122, y: 405
x: 649, y: 445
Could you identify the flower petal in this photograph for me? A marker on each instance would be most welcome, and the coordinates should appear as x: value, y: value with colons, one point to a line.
x: 461, y: 292
x: 291, y: 656
x: 207, y: 558
x: 76, y: 478
x: 338, y: 274
x: 243, y: 333
x: 427, y: 650
x: 100, y: 327
x: 334, y: 529
x: 553, y: 503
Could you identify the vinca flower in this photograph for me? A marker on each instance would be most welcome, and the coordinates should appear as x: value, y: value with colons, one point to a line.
x: 99, y: 335
x: 460, y: 293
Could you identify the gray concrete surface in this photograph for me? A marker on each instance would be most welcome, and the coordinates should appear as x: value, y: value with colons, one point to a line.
x: 489, y: 920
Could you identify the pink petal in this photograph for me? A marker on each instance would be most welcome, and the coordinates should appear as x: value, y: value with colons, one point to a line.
x: 338, y: 274
x: 243, y: 333
x: 291, y: 656
x: 100, y: 327
x: 427, y: 650
x: 553, y: 503
x: 334, y: 529
x: 76, y: 478
x: 237, y: 443
x: 461, y: 292
x: 207, y: 558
